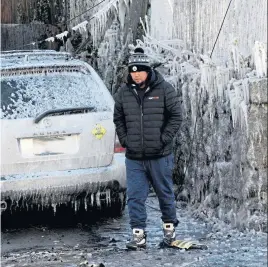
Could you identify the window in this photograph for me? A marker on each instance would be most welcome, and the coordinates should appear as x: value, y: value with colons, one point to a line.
x: 28, y: 95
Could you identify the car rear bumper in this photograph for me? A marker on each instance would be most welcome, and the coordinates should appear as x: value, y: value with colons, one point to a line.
x: 58, y: 187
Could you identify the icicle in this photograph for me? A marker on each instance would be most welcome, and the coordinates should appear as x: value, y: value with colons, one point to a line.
x: 238, y: 104
x: 237, y: 60
x: 170, y: 2
x: 121, y: 13
x: 92, y: 199
x: 260, y: 58
x: 75, y: 206
x: 62, y: 35
x: 222, y: 79
x: 101, y: 17
x: 115, y: 6
x: 244, y: 114
x: 78, y: 204
x: 108, y: 197
x: 245, y: 90
x: 85, y: 203
x: 207, y: 82
x: 143, y: 26
x: 147, y: 25
x: 233, y: 105
x: 81, y: 26
x: 121, y: 197
x: 54, y: 206
x: 98, y: 199
x: 50, y: 39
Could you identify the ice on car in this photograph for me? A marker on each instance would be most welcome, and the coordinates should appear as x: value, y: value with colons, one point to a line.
x: 57, y: 135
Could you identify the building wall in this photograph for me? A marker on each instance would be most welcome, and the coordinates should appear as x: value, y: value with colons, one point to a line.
x: 197, y: 23
x: 221, y: 149
x: 27, y: 11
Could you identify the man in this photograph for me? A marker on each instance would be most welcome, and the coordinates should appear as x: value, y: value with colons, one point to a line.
x: 147, y: 116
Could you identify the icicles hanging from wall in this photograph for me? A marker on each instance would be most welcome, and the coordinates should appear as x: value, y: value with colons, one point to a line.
x: 162, y: 24
x: 108, y: 10
x: 239, y: 98
x: 237, y: 61
x: 222, y: 79
x: 122, y: 10
x: 208, y: 85
x: 260, y: 58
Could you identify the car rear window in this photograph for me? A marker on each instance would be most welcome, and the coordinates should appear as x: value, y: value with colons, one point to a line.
x: 27, y: 96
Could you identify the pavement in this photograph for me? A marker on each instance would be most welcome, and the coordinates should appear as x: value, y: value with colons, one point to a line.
x: 103, y: 244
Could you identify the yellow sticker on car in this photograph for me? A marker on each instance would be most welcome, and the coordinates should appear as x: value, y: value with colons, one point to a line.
x: 99, y: 131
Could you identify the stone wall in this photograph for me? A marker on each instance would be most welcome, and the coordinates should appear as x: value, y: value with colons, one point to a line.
x: 221, y: 149
x: 221, y: 160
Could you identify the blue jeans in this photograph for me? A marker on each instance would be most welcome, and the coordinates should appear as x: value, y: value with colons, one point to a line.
x: 158, y: 172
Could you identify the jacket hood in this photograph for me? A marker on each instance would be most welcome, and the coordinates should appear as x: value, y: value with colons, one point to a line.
x: 156, y: 78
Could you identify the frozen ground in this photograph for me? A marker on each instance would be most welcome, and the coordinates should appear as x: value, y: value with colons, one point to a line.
x: 104, y: 243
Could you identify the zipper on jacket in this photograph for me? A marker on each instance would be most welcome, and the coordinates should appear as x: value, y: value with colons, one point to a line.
x: 141, y: 109
x: 142, y: 140
x: 142, y: 133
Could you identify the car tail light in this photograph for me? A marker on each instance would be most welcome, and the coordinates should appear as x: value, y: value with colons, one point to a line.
x: 117, y: 146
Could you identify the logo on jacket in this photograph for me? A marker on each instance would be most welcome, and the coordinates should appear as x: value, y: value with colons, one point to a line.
x: 153, y: 97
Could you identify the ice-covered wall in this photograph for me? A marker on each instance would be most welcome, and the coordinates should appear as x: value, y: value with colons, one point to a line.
x: 162, y: 26
x: 221, y: 149
x: 197, y: 23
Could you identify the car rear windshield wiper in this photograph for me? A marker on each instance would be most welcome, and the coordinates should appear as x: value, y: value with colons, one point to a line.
x: 62, y: 110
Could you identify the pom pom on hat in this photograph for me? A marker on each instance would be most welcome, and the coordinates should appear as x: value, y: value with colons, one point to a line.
x: 139, y: 50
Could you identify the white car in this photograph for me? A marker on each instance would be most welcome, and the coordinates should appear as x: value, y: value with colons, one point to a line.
x: 58, y: 145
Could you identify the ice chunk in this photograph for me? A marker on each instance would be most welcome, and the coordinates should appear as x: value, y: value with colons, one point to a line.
x: 62, y: 35
x: 50, y: 39
x: 81, y: 26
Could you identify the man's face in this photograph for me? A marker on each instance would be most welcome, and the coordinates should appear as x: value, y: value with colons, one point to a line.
x: 139, y: 76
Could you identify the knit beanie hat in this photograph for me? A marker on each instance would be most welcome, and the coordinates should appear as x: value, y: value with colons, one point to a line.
x: 139, y: 61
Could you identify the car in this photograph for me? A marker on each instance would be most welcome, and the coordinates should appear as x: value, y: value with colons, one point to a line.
x: 58, y: 142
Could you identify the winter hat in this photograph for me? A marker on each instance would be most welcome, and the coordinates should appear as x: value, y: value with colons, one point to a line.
x: 139, y: 61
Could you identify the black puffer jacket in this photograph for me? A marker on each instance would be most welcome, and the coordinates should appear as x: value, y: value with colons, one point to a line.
x: 146, y: 128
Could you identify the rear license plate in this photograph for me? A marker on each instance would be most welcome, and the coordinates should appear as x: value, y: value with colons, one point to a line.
x: 49, y: 145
